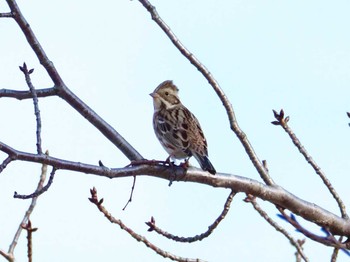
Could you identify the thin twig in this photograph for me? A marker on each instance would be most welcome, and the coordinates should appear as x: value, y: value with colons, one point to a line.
x: 38, y: 192
x: 131, y: 193
x: 336, y: 251
x: 30, y: 230
x: 299, y: 254
x: 252, y: 199
x: 298, y: 257
x: 205, y: 72
x: 27, y: 73
x: 5, y: 163
x: 94, y: 199
x: 211, y: 228
x: 20, y: 95
x: 6, y: 15
x: 283, y: 122
x: 29, y: 210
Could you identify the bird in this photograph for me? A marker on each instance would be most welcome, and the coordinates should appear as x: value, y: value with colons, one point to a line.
x: 177, y: 129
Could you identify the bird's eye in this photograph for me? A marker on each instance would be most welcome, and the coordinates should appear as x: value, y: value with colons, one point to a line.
x: 166, y: 93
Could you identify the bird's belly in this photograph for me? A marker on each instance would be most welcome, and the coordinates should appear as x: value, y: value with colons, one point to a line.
x: 174, y: 152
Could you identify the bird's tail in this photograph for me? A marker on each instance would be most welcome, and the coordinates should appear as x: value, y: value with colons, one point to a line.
x: 205, y: 164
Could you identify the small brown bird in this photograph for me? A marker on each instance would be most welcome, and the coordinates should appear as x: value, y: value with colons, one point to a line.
x: 176, y: 128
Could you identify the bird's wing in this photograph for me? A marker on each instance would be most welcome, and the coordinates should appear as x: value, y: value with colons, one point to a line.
x: 198, y: 143
x: 173, y: 128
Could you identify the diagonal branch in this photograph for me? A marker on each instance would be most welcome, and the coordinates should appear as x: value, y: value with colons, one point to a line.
x: 10, y: 256
x: 211, y: 228
x: 336, y: 251
x: 98, y: 203
x: 62, y: 90
x: 222, y: 96
x: 251, y: 199
x: 283, y: 122
x: 7, y: 256
x: 5, y: 163
x: 34, y: 43
x: 330, y: 240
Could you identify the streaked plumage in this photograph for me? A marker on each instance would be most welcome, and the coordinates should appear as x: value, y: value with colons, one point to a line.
x: 176, y: 128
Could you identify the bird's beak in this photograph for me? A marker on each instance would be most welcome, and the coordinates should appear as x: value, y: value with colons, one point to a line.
x: 154, y: 95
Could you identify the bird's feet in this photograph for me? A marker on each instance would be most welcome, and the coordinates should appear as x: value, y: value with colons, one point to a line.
x: 152, y: 162
x: 186, y: 164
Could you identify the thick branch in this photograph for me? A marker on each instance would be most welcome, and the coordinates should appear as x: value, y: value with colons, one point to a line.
x: 100, y: 124
x: 34, y: 43
x: 274, y: 194
x: 63, y: 91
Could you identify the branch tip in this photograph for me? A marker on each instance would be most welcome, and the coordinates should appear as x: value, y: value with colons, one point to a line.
x: 39, y: 191
x: 249, y: 198
x: 281, y: 120
x: 151, y: 224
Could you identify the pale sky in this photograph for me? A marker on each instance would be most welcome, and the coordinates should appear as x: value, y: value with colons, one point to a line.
x: 265, y: 55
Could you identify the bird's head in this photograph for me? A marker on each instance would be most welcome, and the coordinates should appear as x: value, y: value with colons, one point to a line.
x: 165, y: 96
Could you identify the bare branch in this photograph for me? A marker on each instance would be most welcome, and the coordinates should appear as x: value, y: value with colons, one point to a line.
x: 45, y: 92
x: 274, y: 194
x: 6, y: 15
x: 329, y: 240
x: 297, y: 254
x: 38, y: 192
x: 251, y: 199
x: 133, y: 183
x: 131, y: 193
x: 211, y: 228
x: 205, y: 72
x: 29, y: 210
x: 94, y: 199
x: 271, y: 192
x: 5, y: 163
x: 283, y: 122
x: 30, y: 230
x: 66, y: 94
x: 336, y: 251
x: 7, y: 256
x: 27, y: 73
